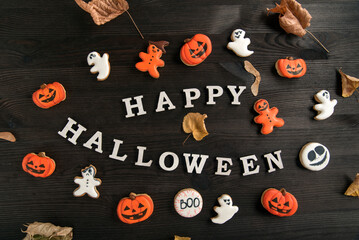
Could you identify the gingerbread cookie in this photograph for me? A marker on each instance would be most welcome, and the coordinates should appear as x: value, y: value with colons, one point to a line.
x: 325, y: 107
x: 240, y: 44
x: 49, y: 95
x: 188, y: 202
x: 101, y: 65
x: 196, y: 50
x: 38, y: 165
x: 151, y: 60
x: 88, y: 183
x: 314, y: 156
x: 267, y: 116
x: 135, y: 208
x: 225, y: 211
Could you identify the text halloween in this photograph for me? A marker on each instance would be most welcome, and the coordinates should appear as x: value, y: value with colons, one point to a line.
x: 169, y: 161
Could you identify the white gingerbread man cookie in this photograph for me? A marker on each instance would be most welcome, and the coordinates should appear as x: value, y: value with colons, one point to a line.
x: 240, y: 44
x: 225, y: 210
x: 88, y: 183
x: 326, y: 107
x: 101, y: 65
x: 188, y: 202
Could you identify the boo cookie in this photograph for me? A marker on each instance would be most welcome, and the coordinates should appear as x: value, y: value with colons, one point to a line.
x: 188, y: 203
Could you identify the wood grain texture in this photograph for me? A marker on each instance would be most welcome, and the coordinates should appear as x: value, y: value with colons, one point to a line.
x: 47, y: 41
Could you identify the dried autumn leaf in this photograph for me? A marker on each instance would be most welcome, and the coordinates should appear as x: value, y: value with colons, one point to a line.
x: 353, y: 189
x: 47, y: 231
x: 194, y: 123
x: 103, y: 11
x: 293, y: 18
x: 349, y: 84
x: 182, y: 238
x: 7, y: 136
x: 255, y: 86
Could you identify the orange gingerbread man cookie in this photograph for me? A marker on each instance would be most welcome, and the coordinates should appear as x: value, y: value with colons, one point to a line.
x: 151, y: 60
x: 267, y: 116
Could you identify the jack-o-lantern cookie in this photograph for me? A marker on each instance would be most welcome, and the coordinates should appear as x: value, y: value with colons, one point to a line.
x: 135, y: 208
x: 38, y: 165
x: 279, y: 202
x: 49, y: 95
x: 314, y: 156
x: 151, y: 60
x: 267, y: 116
x: 188, y: 202
x: 196, y: 50
x: 290, y: 67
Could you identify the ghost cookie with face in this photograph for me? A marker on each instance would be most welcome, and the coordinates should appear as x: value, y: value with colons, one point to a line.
x: 314, y: 156
x: 88, y: 183
x: 325, y: 107
x: 225, y: 210
x: 101, y: 65
x: 240, y: 44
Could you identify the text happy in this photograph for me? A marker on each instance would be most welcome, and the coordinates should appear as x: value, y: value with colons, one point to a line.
x: 169, y: 161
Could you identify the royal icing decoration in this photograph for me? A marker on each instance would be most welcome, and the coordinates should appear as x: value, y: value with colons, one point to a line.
x: 151, y: 60
x: 188, y: 202
x: 267, y: 116
x: 38, y: 165
x: 49, y: 95
x: 314, y: 156
x: 101, y: 65
x: 290, y: 67
x: 135, y: 208
x: 225, y: 211
x: 279, y: 202
x: 240, y: 44
x: 196, y: 50
x: 88, y: 183
x: 325, y: 107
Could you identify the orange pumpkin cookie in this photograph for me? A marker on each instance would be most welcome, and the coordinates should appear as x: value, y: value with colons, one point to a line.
x: 280, y: 203
x: 196, y: 50
x: 135, y: 208
x: 49, y: 95
x: 38, y: 165
x: 267, y: 116
x: 151, y: 60
x: 290, y: 67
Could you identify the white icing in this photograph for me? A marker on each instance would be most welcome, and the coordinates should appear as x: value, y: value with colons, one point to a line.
x: 101, y: 65
x: 87, y: 183
x: 240, y: 44
x: 314, y: 156
x: 225, y: 210
x: 188, y: 202
x: 326, y: 107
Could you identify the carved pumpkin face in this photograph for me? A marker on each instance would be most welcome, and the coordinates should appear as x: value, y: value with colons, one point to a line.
x: 261, y: 105
x: 38, y: 165
x: 279, y: 203
x: 291, y: 68
x: 196, y: 50
x: 49, y: 95
x: 135, y: 208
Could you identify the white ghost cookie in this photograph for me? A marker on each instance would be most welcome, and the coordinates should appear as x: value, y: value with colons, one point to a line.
x: 225, y: 211
x: 240, y: 44
x: 326, y: 107
x: 88, y: 183
x: 101, y: 65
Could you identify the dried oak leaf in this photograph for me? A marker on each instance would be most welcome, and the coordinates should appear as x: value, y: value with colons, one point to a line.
x: 103, y: 11
x: 39, y: 230
x: 349, y: 84
x: 182, y: 238
x: 293, y: 18
x: 255, y: 86
x: 353, y: 189
x: 194, y: 123
x: 7, y: 136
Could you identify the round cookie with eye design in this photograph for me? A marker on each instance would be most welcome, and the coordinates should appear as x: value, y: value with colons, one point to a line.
x: 314, y: 156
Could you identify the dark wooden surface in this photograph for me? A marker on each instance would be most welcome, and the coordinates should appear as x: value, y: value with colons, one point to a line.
x: 46, y: 41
